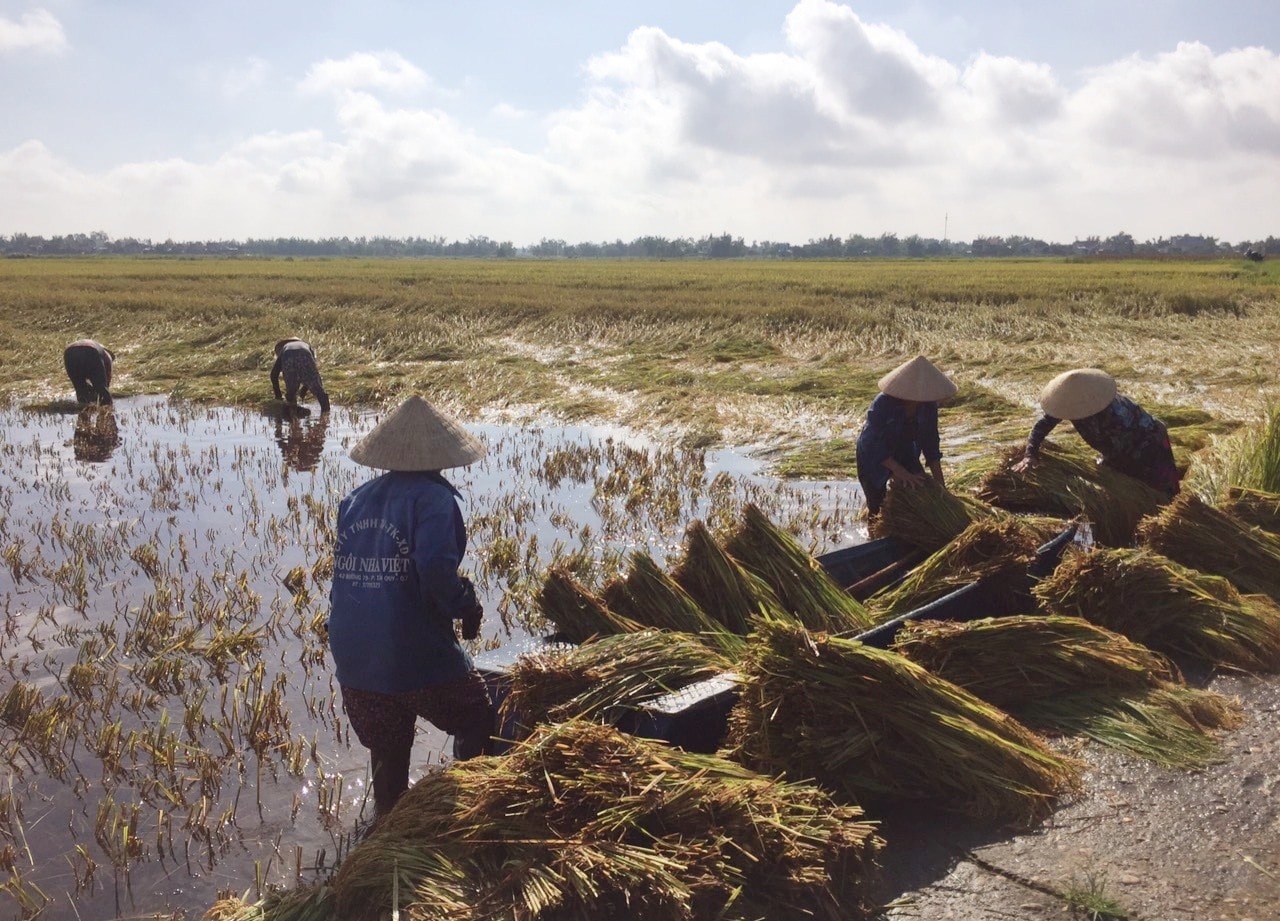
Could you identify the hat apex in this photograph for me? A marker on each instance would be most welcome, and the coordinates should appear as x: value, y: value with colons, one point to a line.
x: 417, y: 436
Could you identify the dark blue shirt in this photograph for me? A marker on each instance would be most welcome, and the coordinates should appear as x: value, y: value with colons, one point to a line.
x: 1129, y: 439
x: 396, y: 588
x: 890, y: 432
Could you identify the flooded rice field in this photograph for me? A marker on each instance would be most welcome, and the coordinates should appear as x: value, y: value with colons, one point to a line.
x: 168, y: 714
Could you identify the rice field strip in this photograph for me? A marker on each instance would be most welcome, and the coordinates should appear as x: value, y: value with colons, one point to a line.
x: 166, y: 692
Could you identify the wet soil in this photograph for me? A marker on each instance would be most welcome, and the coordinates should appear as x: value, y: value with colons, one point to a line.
x: 1161, y: 844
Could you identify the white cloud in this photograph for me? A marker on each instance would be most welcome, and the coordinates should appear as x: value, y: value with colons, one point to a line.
x: 38, y: 30
x: 385, y: 70
x: 852, y: 128
x: 1189, y: 103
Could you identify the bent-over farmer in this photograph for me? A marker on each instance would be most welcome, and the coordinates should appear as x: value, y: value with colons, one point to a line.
x: 1130, y: 439
x: 88, y: 364
x: 902, y: 427
x: 296, y: 361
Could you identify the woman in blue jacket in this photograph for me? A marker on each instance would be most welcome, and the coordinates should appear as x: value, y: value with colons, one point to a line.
x: 901, y: 427
x: 397, y: 592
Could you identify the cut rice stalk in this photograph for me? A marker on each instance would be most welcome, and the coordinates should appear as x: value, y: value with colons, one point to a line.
x: 928, y: 516
x: 720, y: 585
x: 1254, y: 507
x: 875, y: 727
x: 1169, y: 607
x: 577, y: 613
x: 1196, y: 534
x: 650, y: 596
x: 1066, y: 482
x: 801, y: 585
x: 1065, y: 676
x: 999, y: 551
x: 603, y: 678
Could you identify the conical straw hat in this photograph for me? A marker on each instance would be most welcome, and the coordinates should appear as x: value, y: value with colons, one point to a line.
x: 417, y: 436
x: 1078, y: 394
x: 917, y: 380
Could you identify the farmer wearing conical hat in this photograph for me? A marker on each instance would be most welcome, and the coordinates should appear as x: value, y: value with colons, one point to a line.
x: 901, y: 426
x: 397, y: 592
x: 1130, y: 439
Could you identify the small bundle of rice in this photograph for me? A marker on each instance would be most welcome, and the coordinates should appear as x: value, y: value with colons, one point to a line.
x: 1254, y: 507
x: 577, y: 613
x: 648, y: 595
x: 1066, y: 481
x: 603, y: 678
x: 720, y: 585
x: 876, y: 727
x: 928, y: 515
x: 1171, y: 608
x: 582, y: 821
x: 1195, y: 534
x: 998, y: 550
x: 802, y: 586
x: 1063, y: 675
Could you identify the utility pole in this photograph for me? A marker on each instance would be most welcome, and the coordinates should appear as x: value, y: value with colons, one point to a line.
x: 946, y: 216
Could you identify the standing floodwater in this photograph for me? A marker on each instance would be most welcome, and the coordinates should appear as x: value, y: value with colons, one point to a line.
x: 167, y: 706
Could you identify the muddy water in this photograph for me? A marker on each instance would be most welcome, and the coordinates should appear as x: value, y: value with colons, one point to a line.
x: 166, y: 706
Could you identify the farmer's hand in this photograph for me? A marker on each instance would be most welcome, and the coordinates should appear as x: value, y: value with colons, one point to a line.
x: 471, y: 618
x: 1024, y: 465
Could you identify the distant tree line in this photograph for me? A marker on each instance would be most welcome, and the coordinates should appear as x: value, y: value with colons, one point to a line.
x: 724, y: 246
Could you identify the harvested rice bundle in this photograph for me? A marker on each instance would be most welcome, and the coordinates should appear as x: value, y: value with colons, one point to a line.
x: 928, y: 516
x: 1067, y: 482
x: 577, y: 613
x: 1254, y: 507
x: 874, y: 726
x: 603, y: 678
x: 1065, y: 676
x: 649, y: 596
x: 1172, y: 725
x: 800, y: 583
x: 999, y: 551
x: 1172, y: 609
x: 720, y: 586
x: 1008, y: 660
x: 582, y: 821
x: 1195, y: 534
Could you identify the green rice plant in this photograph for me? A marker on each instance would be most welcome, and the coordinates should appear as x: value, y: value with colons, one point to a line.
x: 998, y: 551
x: 1065, y: 676
x: 1172, y: 608
x: 604, y: 678
x: 1195, y: 534
x: 801, y: 585
x: 876, y: 728
x: 1067, y: 482
x: 1248, y: 458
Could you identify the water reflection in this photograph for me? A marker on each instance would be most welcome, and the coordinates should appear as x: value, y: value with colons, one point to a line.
x: 162, y: 614
x: 96, y: 434
x: 301, y: 441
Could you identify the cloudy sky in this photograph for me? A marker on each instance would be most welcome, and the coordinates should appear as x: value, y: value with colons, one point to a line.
x: 591, y: 120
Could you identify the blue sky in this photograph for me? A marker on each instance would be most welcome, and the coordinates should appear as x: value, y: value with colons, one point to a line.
x: 595, y: 121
